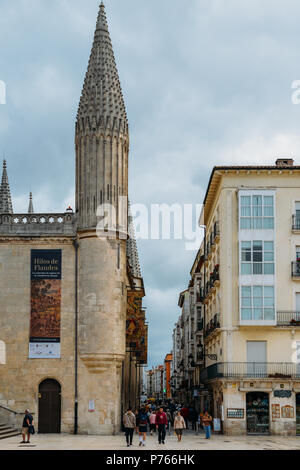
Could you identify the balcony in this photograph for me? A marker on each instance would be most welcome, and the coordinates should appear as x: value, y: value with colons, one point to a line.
x: 251, y: 370
x: 296, y: 222
x: 286, y: 318
x: 213, y: 325
x: 216, y: 232
x: 296, y: 269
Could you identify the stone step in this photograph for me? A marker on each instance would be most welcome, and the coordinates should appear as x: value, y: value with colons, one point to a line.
x: 4, y: 428
x: 8, y: 434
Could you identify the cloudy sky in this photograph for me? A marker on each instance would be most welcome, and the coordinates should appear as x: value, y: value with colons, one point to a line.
x: 205, y: 82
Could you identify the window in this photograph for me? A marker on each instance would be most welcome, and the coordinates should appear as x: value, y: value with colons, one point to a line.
x: 257, y: 257
x: 257, y: 303
x: 257, y: 212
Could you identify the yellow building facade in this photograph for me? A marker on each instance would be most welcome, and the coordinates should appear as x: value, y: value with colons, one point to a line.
x: 250, y: 292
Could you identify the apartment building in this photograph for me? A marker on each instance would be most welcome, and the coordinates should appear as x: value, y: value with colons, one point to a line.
x: 247, y: 273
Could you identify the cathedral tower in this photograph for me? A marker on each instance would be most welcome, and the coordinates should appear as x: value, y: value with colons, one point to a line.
x: 101, y: 178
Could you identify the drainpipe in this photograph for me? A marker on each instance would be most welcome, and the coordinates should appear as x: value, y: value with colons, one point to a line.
x: 76, y: 246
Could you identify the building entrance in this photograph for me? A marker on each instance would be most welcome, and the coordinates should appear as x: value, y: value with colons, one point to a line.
x: 258, y: 414
x: 49, y: 407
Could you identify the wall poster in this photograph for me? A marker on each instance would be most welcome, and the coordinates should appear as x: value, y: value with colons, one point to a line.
x: 44, y: 342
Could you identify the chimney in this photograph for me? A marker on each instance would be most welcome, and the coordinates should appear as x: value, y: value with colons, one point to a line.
x: 284, y: 162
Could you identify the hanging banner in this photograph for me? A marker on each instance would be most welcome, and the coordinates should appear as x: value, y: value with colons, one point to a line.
x: 45, y: 317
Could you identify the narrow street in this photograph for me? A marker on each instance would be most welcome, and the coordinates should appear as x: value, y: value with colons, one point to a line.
x: 190, y: 442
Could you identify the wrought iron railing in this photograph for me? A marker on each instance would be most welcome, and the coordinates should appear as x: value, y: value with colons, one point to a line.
x: 296, y: 222
x: 296, y: 268
x: 288, y: 318
x: 212, y: 325
x: 251, y: 370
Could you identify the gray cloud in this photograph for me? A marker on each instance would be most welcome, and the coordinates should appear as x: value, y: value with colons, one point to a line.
x: 205, y: 82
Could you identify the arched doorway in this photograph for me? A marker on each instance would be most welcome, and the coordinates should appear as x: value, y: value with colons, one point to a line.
x: 49, y: 407
x: 258, y: 413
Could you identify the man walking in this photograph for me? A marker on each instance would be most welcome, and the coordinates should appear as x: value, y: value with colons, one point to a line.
x: 207, y: 419
x: 27, y: 423
x: 161, y: 424
x: 129, y: 422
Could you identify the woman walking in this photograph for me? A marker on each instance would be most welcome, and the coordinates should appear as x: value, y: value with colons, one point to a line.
x: 129, y: 422
x: 179, y: 425
x: 143, y: 421
x: 152, y: 419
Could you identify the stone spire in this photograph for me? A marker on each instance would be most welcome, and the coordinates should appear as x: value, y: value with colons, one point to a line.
x: 102, y: 140
x: 5, y: 197
x: 101, y: 103
x: 30, y: 208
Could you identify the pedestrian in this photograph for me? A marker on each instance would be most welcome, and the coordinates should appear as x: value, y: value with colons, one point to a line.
x: 179, y: 425
x: 161, y: 424
x: 143, y: 421
x: 207, y: 419
x: 152, y: 420
x: 129, y: 422
x: 28, y: 425
x: 185, y: 413
x: 170, y: 421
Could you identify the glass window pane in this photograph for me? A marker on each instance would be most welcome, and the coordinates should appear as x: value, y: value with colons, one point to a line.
x: 257, y: 223
x: 257, y: 211
x: 246, y: 268
x: 257, y: 302
x: 246, y: 314
x: 246, y: 302
x: 268, y: 200
x: 269, y: 291
x: 246, y: 200
x: 246, y: 255
x: 257, y: 200
x: 246, y: 223
x: 257, y: 245
x: 269, y: 211
x: 257, y: 268
x: 269, y: 246
x: 269, y: 223
x: 269, y: 302
x: 258, y: 314
x: 269, y: 256
x: 269, y: 268
x: 246, y: 291
x: 246, y: 211
x: 257, y: 256
x: 246, y: 245
x: 257, y: 291
x: 269, y: 314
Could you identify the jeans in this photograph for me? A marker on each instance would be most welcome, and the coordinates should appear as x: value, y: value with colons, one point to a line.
x: 129, y: 435
x: 161, y: 433
x: 207, y: 431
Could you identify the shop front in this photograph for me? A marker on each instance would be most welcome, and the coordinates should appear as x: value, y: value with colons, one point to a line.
x: 257, y: 413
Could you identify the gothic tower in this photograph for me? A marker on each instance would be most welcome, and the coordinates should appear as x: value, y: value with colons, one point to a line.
x: 102, y: 144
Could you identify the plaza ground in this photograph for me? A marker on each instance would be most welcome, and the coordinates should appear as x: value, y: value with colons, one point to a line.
x: 190, y: 442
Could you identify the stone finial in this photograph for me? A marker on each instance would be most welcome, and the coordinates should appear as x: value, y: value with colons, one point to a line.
x: 101, y: 103
x: 5, y: 197
x: 30, y: 208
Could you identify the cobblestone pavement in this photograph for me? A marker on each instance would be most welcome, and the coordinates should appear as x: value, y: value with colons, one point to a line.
x: 190, y: 442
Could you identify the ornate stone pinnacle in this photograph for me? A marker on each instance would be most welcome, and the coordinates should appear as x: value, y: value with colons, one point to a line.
x: 5, y: 197
x: 30, y: 208
x: 101, y: 103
